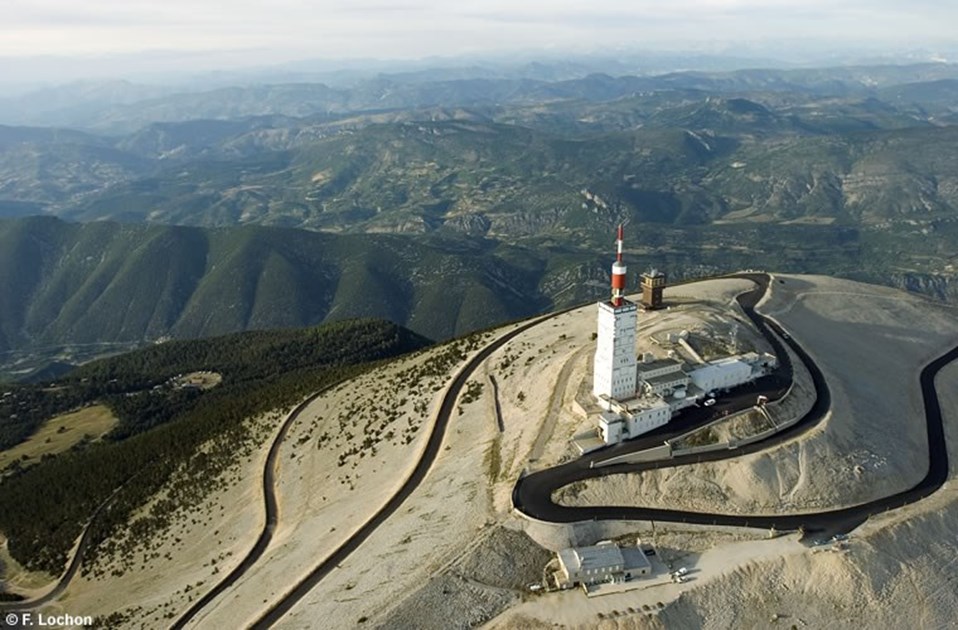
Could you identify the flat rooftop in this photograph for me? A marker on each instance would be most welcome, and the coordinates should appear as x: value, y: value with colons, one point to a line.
x: 640, y: 403
x: 658, y: 364
x: 594, y: 557
x: 625, y: 306
x: 663, y: 379
x: 634, y: 559
x: 610, y: 417
x: 587, y: 443
x: 726, y: 361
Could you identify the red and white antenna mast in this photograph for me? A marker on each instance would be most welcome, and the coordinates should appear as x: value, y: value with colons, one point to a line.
x: 618, y: 272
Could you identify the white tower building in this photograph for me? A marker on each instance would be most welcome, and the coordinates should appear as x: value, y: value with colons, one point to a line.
x: 614, y: 369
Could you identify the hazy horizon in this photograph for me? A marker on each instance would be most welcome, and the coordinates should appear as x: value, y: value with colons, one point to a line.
x: 53, y: 40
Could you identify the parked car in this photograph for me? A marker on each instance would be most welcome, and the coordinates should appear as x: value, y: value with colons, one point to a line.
x: 709, y: 402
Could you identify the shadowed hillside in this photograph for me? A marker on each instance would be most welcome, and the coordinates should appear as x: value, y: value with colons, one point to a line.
x: 103, y: 283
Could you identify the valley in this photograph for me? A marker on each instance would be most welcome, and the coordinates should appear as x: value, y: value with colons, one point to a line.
x: 499, y: 191
x: 287, y: 353
x: 468, y: 488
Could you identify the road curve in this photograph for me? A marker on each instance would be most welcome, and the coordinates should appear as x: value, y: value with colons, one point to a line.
x: 533, y: 493
x: 836, y: 520
x: 72, y: 567
x: 291, y: 598
x: 283, y: 606
x: 272, y: 518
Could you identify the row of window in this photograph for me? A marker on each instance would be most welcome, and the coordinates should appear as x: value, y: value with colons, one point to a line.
x: 602, y: 571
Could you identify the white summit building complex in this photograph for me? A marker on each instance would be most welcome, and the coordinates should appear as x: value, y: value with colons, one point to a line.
x: 638, y: 396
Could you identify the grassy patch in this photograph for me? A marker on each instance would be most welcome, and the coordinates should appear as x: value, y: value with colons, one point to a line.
x: 16, y: 577
x: 61, y: 433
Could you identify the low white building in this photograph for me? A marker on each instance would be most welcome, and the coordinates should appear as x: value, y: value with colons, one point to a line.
x: 611, y: 427
x: 664, y: 387
x: 651, y: 415
x: 660, y: 377
x: 665, y: 384
x: 763, y: 363
x: 604, y: 562
x: 721, y: 374
x: 682, y: 397
x: 630, y: 420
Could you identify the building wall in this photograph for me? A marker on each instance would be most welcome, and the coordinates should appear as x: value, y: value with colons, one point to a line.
x: 648, y: 419
x: 611, y: 432
x: 652, y: 287
x: 721, y: 375
x: 591, y: 575
x: 680, y: 380
x: 659, y: 371
x: 651, y: 297
x: 594, y: 576
x: 615, y: 359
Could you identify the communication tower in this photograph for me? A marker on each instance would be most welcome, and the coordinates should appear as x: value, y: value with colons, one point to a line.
x: 614, y: 373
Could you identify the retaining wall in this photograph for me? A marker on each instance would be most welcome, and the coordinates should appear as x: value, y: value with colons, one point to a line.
x: 650, y: 454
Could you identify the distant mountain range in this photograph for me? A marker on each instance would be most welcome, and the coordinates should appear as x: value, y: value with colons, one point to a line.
x: 448, y: 204
x: 675, y: 158
x: 119, y: 106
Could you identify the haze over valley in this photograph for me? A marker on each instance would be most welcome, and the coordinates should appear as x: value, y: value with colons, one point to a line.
x: 306, y: 320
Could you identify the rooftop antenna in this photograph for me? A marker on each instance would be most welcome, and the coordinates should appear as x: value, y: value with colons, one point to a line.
x: 618, y: 271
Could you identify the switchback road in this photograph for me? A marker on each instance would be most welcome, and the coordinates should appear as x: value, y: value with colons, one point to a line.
x: 533, y: 493
x: 269, y: 527
x: 292, y: 597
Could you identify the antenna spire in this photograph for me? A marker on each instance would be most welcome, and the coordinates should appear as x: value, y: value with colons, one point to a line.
x: 618, y: 271
x: 618, y: 244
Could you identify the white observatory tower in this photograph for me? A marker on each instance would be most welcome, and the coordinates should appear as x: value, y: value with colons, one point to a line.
x: 615, y: 360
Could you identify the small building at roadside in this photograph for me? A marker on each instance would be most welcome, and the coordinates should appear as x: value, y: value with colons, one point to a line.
x: 604, y: 562
x: 721, y: 374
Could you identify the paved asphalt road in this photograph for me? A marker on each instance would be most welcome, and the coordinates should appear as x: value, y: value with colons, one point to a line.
x: 533, y: 493
x: 291, y: 598
x: 72, y: 567
x: 272, y: 518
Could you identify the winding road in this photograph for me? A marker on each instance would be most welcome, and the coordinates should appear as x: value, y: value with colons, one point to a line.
x: 269, y: 527
x: 72, y: 567
x: 291, y: 598
x: 532, y: 493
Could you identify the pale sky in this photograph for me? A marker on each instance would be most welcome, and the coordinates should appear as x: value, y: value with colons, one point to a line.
x: 288, y: 29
